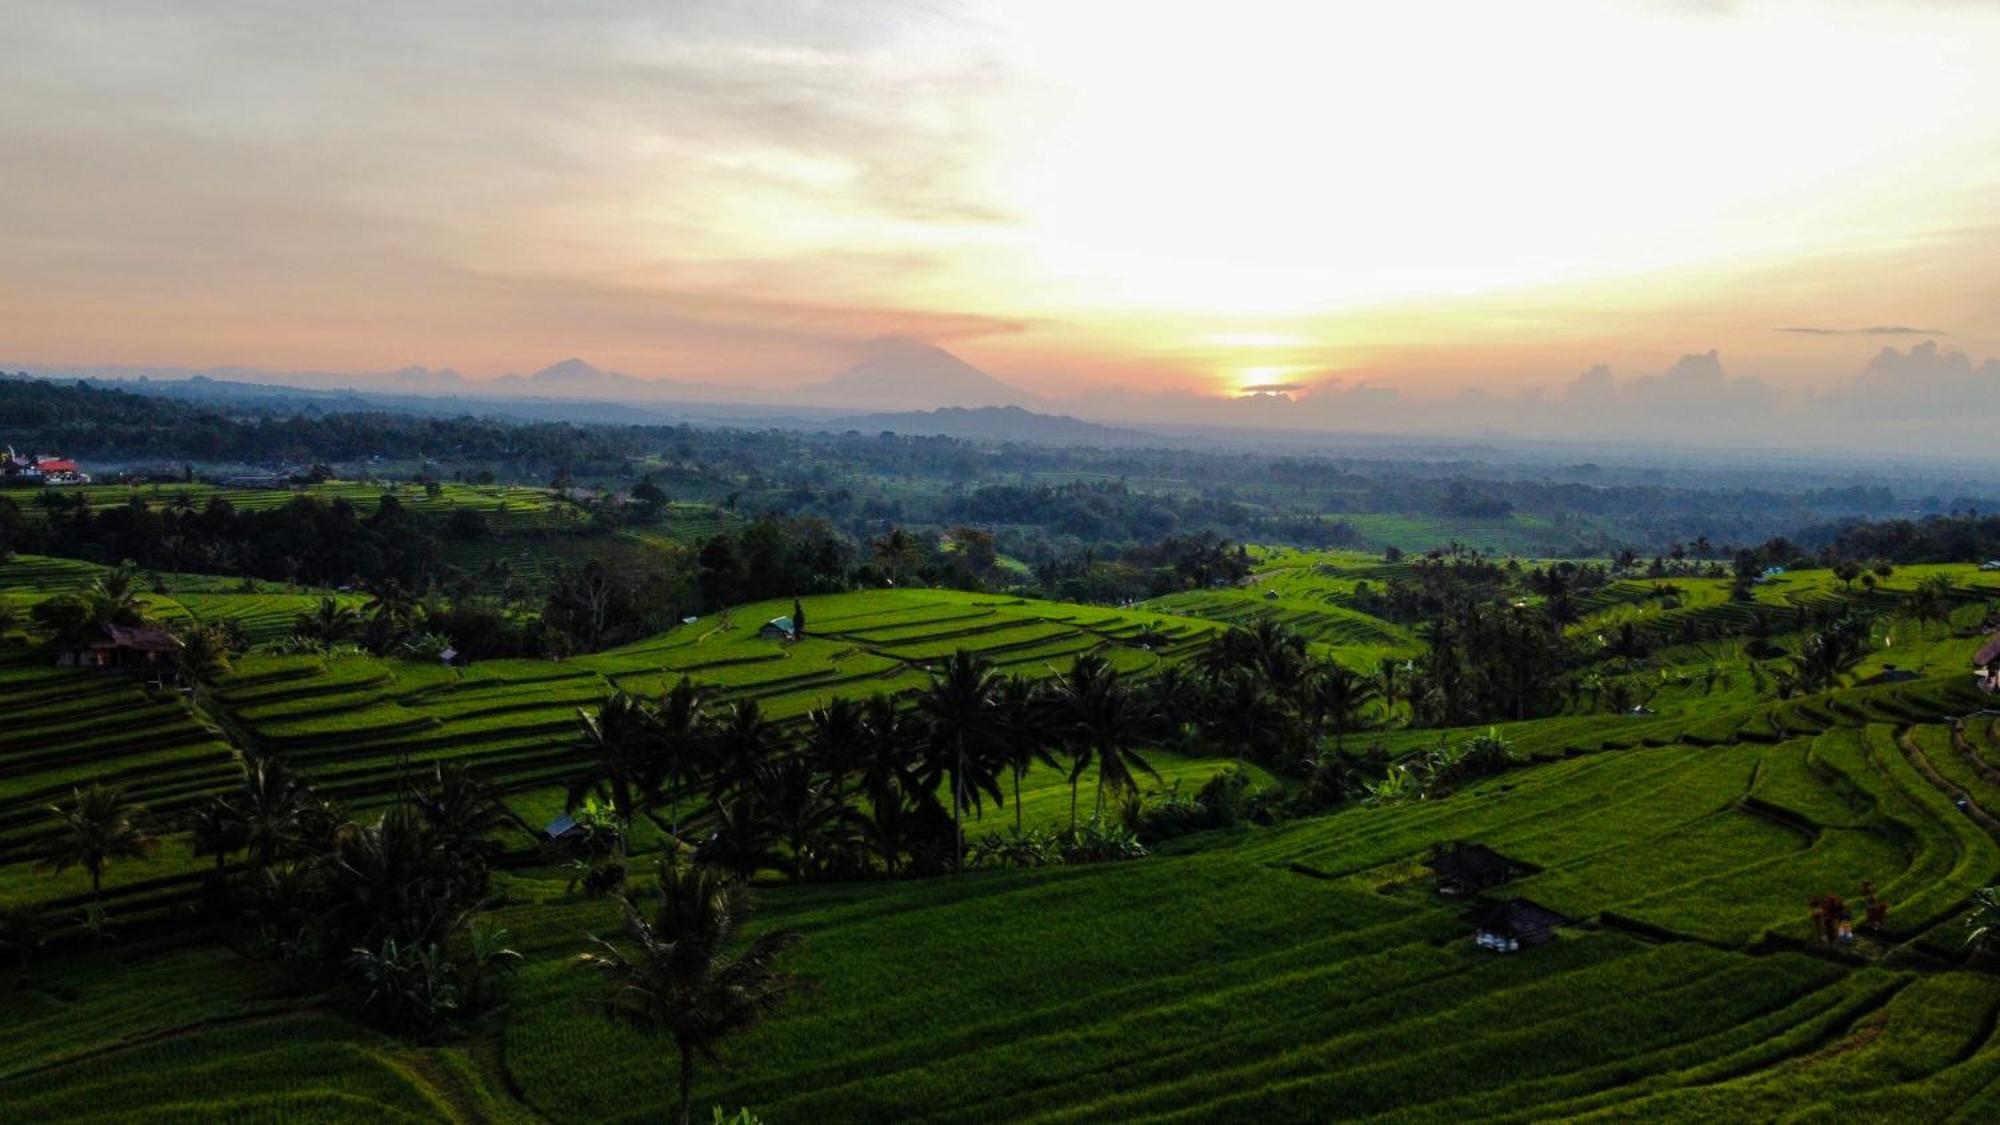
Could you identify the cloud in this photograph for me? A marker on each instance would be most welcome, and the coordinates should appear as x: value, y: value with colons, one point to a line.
x: 1272, y: 389
x: 1871, y: 330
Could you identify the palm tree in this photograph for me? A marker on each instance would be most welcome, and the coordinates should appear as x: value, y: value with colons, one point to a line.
x: 463, y: 815
x: 894, y: 552
x: 837, y: 742
x: 99, y: 825
x: 799, y: 806
x: 1023, y: 716
x: 1337, y: 695
x: 681, y: 979
x: 203, y: 658
x: 684, y: 734
x: 269, y: 807
x: 891, y: 822
x: 390, y: 611
x: 112, y: 598
x: 333, y: 621
x: 746, y: 743
x: 218, y: 830
x: 1176, y: 699
x: 1930, y: 601
x: 962, y: 729
x: 1280, y: 653
x: 1390, y: 682
x: 1100, y: 720
x: 619, y: 742
x: 887, y: 746
x: 1244, y: 716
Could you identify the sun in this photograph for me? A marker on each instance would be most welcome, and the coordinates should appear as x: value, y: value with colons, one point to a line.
x: 1264, y: 378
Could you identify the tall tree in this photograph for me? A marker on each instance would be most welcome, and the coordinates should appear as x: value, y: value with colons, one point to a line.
x: 217, y: 830
x: 203, y: 658
x: 99, y: 826
x: 681, y: 977
x: 962, y: 731
x: 619, y: 745
x: 1336, y: 695
x: 746, y: 743
x: 1103, y: 722
x: 1024, y: 739
x: 686, y: 738
x: 837, y: 742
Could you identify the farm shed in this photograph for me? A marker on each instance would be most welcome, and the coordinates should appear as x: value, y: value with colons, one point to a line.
x: 778, y: 628
x: 1986, y: 663
x: 1469, y: 868
x: 124, y: 648
x: 1507, y: 926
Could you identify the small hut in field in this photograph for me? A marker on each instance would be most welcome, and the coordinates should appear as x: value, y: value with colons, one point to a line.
x: 123, y: 648
x: 1986, y: 663
x: 1505, y: 927
x: 1464, y: 869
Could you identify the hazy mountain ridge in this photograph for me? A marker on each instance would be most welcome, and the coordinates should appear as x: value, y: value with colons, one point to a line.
x: 1002, y: 424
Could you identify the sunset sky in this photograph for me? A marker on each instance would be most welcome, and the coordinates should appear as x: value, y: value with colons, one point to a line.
x: 1072, y: 195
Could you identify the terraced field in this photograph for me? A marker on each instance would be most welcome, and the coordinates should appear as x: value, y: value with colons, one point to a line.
x: 1309, y: 973
x: 1302, y: 971
x: 359, y: 724
x: 523, y: 504
x: 61, y: 728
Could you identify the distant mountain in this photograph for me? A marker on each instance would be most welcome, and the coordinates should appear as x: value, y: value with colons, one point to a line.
x: 573, y: 377
x: 1000, y: 423
x: 901, y: 372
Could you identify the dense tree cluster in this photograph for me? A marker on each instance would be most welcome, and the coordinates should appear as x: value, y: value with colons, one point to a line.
x: 307, y: 539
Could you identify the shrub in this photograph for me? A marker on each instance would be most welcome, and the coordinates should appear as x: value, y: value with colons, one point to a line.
x: 405, y: 987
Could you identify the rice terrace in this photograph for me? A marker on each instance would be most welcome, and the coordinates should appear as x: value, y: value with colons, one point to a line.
x: 1315, y: 963
x: 997, y: 561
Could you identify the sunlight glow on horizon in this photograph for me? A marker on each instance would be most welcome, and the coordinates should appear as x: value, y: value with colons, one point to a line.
x: 1074, y: 196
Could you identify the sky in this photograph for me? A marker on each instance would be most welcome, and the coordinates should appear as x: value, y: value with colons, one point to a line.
x: 1443, y: 200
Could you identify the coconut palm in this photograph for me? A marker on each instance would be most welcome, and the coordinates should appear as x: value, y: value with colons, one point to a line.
x: 837, y: 742
x: 1930, y: 601
x: 895, y: 552
x: 203, y: 658
x: 390, y: 611
x: 1100, y: 721
x: 803, y: 811
x: 1023, y: 714
x: 1390, y: 681
x: 99, y: 826
x: 463, y: 815
x: 1336, y: 695
x: 1176, y: 698
x: 332, y: 621
x: 684, y: 735
x: 270, y: 805
x: 887, y: 749
x: 618, y: 743
x: 962, y: 733
x: 1244, y: 716
x: 746, y: 743
x: 681, y: 979
x: 112, y: 598
x: 218, y: 830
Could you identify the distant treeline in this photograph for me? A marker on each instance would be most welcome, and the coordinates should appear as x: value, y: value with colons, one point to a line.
x: 1042, y: 501
x: 1940, y: 539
